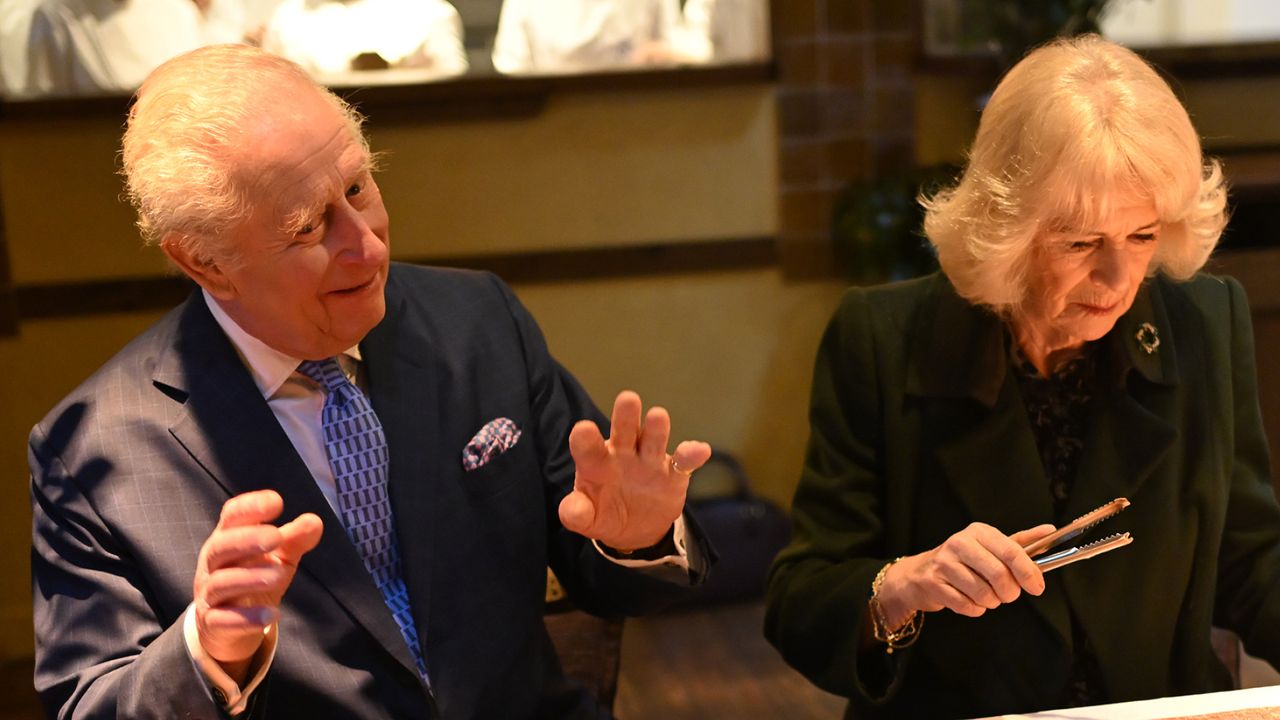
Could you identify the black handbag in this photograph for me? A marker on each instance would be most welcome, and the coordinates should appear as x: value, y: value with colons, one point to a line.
x: 746, y: 530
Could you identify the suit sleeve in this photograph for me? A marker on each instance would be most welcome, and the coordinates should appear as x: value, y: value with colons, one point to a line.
x: 593, y: 582
x: 819, y: 585
x: 1248, y: 591
x: 101, y: 652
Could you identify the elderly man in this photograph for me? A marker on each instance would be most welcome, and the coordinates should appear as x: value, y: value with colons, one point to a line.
x: 430, y: 456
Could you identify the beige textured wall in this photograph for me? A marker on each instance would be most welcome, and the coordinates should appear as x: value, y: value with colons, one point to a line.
x: 729, y: 353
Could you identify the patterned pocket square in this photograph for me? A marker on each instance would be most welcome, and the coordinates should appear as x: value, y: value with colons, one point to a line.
x: 496, y: 437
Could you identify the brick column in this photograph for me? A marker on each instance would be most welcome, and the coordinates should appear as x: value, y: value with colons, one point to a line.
x: 845, y: 112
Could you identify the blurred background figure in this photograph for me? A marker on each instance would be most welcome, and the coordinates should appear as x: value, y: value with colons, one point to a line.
x: 15, y: 26
x: 722, y: 31
x: 85, y: 47
x: 561, y: 36
x: 329, y: 37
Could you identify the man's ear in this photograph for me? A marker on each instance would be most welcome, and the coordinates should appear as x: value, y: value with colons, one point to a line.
x: 204, y: 270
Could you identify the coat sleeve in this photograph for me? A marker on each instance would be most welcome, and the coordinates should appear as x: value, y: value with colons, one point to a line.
x: 816, y: 606
x: 101, y: 651
x: 1248, y: 589
x: 594, y: 583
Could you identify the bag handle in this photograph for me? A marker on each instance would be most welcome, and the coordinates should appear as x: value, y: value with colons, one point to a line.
x: 737, y: 473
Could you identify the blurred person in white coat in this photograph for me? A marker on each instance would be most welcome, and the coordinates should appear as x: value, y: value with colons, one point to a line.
x: 326, y: 36
x: 91, y: 47
x: 565, y: 36
x: 722, y: 31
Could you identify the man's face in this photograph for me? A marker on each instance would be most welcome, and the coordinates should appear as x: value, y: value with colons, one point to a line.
x: 314, y: 252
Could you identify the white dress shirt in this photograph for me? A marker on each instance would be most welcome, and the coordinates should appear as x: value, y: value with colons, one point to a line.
x: 564, y: 36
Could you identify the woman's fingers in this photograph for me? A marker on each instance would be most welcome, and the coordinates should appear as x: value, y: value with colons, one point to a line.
x: 979, y: 569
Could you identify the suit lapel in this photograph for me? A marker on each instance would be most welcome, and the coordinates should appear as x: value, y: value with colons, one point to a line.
x: 229, y: 429
x: 403, y: 379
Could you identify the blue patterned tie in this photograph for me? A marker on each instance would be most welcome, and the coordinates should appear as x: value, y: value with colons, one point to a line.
x: 357, y: 451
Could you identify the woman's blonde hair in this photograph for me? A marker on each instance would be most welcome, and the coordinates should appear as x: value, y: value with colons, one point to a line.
x: 1076, y: 127
x: 184, y: 135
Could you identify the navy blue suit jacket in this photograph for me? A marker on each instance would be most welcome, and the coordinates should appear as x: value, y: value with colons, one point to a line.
x: 130, y: 471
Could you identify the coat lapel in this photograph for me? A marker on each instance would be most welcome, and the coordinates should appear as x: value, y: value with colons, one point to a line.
x: 403, y: 381
x: 975, y: 417
x: 975, y: 414
x: 229, y: 429
x: 1128, y: 430
x: 1129, y: 434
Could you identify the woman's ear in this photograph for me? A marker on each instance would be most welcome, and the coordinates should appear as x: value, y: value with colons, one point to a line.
x: 185, y: 252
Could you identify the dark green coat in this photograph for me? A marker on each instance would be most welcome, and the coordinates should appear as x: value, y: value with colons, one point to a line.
x: 918, y: 429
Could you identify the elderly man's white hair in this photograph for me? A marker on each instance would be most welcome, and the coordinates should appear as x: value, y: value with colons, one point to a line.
x: 182, y: 142
x: 1076, y: 128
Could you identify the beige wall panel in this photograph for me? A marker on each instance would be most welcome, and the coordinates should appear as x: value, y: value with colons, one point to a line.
x: 593, y: 170
x: 63, y: 215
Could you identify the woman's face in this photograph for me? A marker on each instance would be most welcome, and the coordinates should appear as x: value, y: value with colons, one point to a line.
x: 1082, y: 280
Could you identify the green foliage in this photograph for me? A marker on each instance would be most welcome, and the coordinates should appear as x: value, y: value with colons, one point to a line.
x: 878, y: 225
x: 1010, y: 28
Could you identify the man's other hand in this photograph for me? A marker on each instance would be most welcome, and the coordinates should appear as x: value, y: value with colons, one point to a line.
x: 243, y: 571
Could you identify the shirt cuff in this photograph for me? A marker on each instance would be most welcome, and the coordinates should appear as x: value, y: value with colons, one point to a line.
x: 680, y: 560
x: 226, y: 692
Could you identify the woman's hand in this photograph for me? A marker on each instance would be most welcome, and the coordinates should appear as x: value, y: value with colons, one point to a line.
x: 975, y: 570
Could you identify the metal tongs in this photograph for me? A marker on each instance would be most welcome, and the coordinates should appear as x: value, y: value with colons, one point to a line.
x: 1075, y: 529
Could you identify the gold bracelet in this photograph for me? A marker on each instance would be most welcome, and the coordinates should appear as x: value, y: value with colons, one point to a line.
x: 900, y: 637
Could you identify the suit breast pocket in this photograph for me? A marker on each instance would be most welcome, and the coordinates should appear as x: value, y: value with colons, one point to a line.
x: 500, y: 473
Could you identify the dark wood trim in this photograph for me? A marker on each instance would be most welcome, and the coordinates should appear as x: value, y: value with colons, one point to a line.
x: 1216, y: 61
x: 137, y: 294
x: 112, y: 106
x: 466, y: 98
x: 100, y: 297
x: 1253, y: 173
x: 550, y: 266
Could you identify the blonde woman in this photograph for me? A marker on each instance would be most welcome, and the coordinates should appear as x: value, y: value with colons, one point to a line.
x: 1067, y: 354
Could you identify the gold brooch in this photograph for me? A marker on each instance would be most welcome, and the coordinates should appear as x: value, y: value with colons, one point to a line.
x: 1148, y: 338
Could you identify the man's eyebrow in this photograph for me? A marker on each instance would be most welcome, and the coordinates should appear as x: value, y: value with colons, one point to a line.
x: 296, y: 219
x: 367, y: 164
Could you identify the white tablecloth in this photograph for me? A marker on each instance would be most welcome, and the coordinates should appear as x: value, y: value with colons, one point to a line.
x: 1166, y: 708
